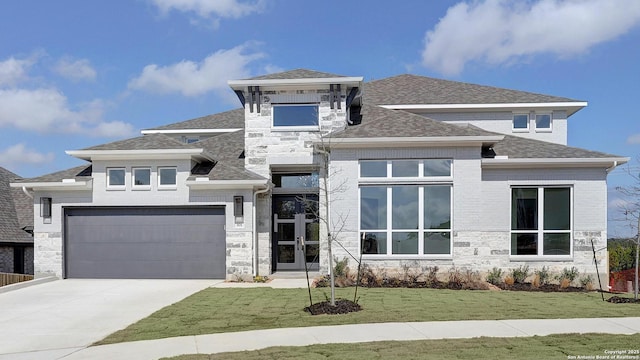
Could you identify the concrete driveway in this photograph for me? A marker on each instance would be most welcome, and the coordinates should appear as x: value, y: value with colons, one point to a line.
x: 54, y: 319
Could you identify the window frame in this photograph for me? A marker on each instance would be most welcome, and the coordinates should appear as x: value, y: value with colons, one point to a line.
x: 513, y: 122
x: 111, y: 186
x: 135, y: 186
x: 314, y: 127
x: 389, y: 183
x: 162, y: 186
x: 541, y: 231
x: 544, y: 129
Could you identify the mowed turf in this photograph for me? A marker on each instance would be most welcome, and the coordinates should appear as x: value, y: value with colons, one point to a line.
x: 561, y: 347
x: 217, y: 310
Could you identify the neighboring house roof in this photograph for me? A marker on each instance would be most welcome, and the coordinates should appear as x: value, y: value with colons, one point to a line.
x: 16, y: 211
x: 378, y: 122
x: 412, y: 89
x: 232, y: 119
x: 296, y: 74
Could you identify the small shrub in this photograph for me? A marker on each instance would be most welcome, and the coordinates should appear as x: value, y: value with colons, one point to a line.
x: 411, y: 273
x: 341, y: 266
x: 322, y: 281
x: 544, y: 276
x: 473, y: 281
x: 260, y: 279
x: 455, y: 279
x: 494, y: 276
x: 565, y: 283
x: 569, y: 274
x: 509, y: 280
x: 586, y: 282
x: 535, y: 283
x: 432, y: 276
x: 520, y: 273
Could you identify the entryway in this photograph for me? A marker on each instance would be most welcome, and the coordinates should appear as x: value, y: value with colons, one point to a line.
x: 295, y: 232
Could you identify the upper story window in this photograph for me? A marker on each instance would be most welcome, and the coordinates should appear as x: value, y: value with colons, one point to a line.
x: 541, y: 221
x: 543, y: 122
x: 141, y: 178
x: 116, y: 178
x: 299, y: 115
x: 190, y: 139
x: 520, y: 122
x: 167, y: 178
x: 428, y: 168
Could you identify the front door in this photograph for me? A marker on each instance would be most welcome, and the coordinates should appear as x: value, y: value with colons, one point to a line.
x: 295, y: 232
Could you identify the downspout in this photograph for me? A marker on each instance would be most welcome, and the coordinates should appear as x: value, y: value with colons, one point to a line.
x: 615, y: 164
x: 254, y: 252
x: 26, y: 192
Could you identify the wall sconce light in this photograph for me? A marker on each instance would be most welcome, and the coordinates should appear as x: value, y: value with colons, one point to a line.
x: 238, y: 202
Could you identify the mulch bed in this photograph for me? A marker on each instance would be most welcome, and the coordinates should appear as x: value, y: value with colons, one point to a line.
x: 342, y: 307
x: 622, y: 300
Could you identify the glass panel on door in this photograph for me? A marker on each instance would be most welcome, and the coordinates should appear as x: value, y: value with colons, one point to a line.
x: 296, y: 232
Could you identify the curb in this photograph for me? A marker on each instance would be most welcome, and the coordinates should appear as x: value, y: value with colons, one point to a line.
x: 25, y: 284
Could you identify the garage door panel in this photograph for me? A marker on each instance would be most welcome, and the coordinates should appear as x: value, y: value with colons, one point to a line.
x: 145, y: 243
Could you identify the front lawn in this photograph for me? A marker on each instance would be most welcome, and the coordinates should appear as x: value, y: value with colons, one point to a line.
x: 561, y: 347
x: 217, y: 310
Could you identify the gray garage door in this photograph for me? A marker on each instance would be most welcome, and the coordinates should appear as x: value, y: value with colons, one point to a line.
x: 145, y: 243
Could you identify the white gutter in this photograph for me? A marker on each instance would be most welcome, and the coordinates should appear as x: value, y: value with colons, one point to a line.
x: 414, y: 141
x: 552, y: 162
x: 572, y: 106
x: 139, y: 154
x: 63, y: 185
x: 254, y: 244
x: 241, y: 84
x: 205, y: 183
x: 615, y: 164
x: 26, y: 192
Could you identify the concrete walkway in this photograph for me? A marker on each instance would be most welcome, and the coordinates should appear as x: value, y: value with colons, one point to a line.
x: 259, y: 339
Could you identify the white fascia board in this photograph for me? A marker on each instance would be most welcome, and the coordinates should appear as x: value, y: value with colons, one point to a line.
x: 138, y: 154
x: 572, y: 106
x: 242, y: 84
x: 409, y: 141
x: 225, y: 184
x: 190, y: 131
x: 554, y: 162
x: 52, y: 185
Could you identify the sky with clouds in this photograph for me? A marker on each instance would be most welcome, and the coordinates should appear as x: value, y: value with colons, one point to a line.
x: 80, y: 73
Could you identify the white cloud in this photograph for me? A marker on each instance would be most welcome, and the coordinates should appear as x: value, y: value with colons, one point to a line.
x: 47, y: 110
x: 633, y: 139
x: 196, y: 78
x: 208, y: 8
x: 75, y: 70
x: 502, y: 31
x: 13, y: 70
x: 19, y: 154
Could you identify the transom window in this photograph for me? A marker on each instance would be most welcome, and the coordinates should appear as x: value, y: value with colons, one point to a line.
x: 167, y: 177
x: 116, y: 178
x: 141, y: 177
x: 402, y: 219
x: 541, y: 221
x: 520, y: 122
x: 305, y: 115
x: 296, y: 181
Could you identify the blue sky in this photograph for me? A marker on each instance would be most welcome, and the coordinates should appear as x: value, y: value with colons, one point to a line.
x: 79, y: 73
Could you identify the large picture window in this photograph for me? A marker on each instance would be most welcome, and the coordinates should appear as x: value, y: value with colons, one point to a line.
x: 541, y: 221
x: 400, y: 219
x: 295, y: 115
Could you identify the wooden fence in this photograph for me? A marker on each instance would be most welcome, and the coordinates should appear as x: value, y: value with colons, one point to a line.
x: 8, y: 279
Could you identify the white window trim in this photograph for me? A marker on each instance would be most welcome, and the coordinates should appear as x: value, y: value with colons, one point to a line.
x: 116, y: 187
x: 513, y: 123
x: 421, y: 182
x: 275, y: 127
x: 133, y: 178
x: 167, y: 187
x: 542, y: 130
x: 540, y: 231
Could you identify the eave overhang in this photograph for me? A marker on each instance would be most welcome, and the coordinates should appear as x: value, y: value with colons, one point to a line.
x: 355, y: 81
x: 570, y: 107
x: 64, y: 185
x: 156, y: 154
x: 207, y: 184
x: 409, y: 141
x: 507, y: 163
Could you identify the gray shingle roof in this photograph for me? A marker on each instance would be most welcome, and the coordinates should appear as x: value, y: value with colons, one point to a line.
x: 82, y: 172
x: 296, y: 74
x: 516, y: 147
x: 381, y: 122
x: 228, y: 150
x: 233, y: 119
x: 145, y: 142
x: 16, y: 211
x: 412, y: 89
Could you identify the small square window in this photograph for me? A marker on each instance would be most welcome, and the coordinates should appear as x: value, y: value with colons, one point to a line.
x: 141, y: 178
x: 167, y: 177
x: 115, y: 178
x: 543, y: 121
x: 520, y: 122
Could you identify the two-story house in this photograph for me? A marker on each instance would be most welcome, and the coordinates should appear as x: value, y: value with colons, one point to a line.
x: 406, y: 169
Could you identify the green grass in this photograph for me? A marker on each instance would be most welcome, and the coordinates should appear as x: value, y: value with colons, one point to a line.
x: 534, y: 348
x: 217, y: 310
